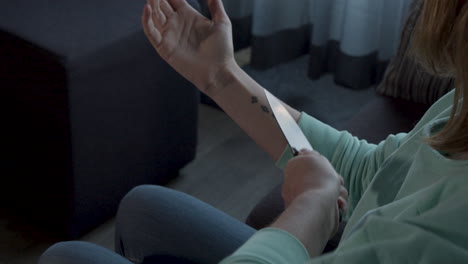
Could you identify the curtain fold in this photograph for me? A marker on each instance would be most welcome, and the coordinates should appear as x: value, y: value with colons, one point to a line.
x: 352, y: 39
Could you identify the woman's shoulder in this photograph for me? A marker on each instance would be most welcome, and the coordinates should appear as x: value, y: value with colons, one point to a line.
x: 439, y: 110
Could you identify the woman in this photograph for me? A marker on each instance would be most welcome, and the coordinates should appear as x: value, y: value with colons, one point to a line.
x: 407, y: 196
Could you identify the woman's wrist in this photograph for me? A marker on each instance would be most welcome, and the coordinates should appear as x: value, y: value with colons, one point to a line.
x: 324, y: 203
x: 308, y: 218
x: 220, y: 78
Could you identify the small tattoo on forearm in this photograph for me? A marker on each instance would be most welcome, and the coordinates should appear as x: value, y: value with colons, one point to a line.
x: 265, y: 109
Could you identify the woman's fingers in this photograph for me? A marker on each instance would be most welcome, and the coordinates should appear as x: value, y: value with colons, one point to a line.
x: 159, y: 18
x: 344, y: 192
x: 218, y: 13
x: 177, y: 4
x: 342, y: 204
x: 343, y: 199
x: 153, y: 34
x: 166, y: 8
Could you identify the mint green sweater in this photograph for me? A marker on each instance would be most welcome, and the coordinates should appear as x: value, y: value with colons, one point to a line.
x: 408, y: 202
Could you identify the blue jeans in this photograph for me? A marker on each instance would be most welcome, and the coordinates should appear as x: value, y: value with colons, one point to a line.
x: 156, y: 221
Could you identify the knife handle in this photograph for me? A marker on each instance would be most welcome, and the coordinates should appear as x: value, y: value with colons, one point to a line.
x: 295, y: 152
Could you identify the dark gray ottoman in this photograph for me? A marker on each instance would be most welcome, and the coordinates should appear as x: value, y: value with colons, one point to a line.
x: 93, y: 110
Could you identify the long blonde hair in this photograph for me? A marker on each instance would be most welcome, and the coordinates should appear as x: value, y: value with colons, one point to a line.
x: 440, y: 44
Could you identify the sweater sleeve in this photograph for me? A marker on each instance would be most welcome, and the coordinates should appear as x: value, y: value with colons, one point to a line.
x: 356, y: 160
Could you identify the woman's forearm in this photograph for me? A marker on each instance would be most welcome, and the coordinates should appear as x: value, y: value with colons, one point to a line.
x: 244, y: 100
x: 305, y: 219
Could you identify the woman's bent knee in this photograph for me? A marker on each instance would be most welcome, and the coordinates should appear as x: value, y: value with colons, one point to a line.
x: 138, y: 195
x: 76, y: 252
x: 56, y: 253
x: 139, y: 213
x: 138, y: 200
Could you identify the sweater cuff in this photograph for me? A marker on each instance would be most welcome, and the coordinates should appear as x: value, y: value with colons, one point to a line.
x: 270, y: 245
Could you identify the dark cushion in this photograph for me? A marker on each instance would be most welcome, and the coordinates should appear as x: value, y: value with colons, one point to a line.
x: 405, y: 78
x: 267, y: 210
x: 384, y: 116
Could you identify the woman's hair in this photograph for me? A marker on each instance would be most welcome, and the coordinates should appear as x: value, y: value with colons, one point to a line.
x: 440, y: 44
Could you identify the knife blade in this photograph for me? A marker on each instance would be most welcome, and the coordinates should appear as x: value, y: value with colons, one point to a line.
x: 291, y: 130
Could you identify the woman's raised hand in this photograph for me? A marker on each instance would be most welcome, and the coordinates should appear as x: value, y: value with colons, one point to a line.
x: 197, y: 47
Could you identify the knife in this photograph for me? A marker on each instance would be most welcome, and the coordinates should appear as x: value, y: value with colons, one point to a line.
x: 291, y: 130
